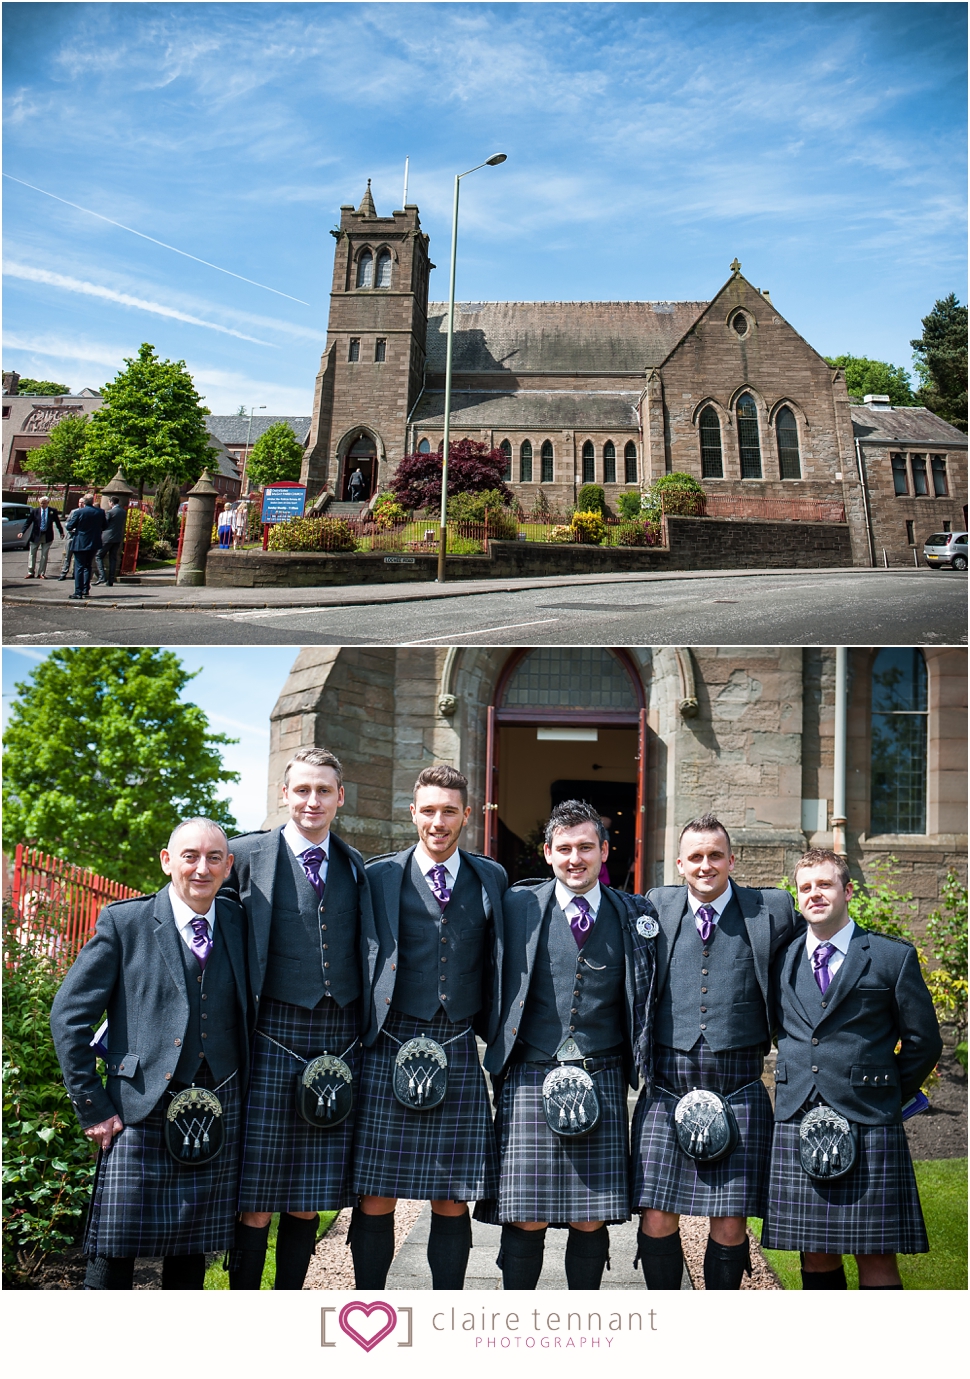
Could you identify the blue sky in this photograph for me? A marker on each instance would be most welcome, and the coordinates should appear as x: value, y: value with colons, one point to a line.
x: 236, y: 688
x: 824, y: 145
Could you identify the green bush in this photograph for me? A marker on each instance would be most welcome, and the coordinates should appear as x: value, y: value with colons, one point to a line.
x: 48, y: 1165
x: 390, y: 515
x: 312, y: 534
x: 591, y: 499
x: 540, y: 506
x: 946, y: 937
x: 464, y: 545
x: 639, y: 532
x: 630, y: 504
x: 490, y: 503
x: 588, y: 528
x: 680, y: 494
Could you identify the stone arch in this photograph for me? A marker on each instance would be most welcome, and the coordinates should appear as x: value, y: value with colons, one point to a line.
x: 342, y: 468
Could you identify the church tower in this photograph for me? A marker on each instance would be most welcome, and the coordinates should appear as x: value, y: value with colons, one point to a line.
x: 372, y: 369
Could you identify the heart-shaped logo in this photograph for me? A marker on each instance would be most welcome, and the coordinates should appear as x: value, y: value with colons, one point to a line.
x: 368, y: 1342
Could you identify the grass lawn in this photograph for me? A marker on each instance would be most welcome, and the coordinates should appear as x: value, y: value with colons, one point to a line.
x: 943, y: 1193
x: 217, y: 1277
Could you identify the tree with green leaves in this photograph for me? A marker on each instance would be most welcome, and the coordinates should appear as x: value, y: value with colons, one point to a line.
x: 152, y: 423
x: 103, y: 758
x: 863, y: 376
x: 61, y: 460
x: 941, y: 361
x: 276, y: 455
x: 42, y: 387
x: 165, y: 510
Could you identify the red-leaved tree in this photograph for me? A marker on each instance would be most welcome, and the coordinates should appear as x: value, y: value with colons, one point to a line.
x: 472, y: 467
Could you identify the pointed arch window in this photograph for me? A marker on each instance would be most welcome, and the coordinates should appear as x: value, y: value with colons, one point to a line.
x: 506, y: 449
x: 630, y: 463
x: 749, y: 439
x: 365, y: 269
x: 424, y: 446
x: 589, y: 463
x: 609, y: 463
x: 548, y: 462
x: 383, y: 275
x: 899, y: 734
x: 525, y: 463
x: 712, y: 460
x: 786, y: 428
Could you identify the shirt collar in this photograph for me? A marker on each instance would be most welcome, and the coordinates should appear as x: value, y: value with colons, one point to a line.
x: 184, y: 914
x: 298, y: 842
x: 718, y: 906
x: 564, y: 897
x: 841, y: 940
x: 425, y: 861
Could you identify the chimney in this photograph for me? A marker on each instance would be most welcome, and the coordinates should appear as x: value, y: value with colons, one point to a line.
x: 11, y: 382
x: 878, y: 402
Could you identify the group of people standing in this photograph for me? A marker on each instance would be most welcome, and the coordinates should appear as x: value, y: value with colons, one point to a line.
x: 95, y: 537
x: 292, y: 1029
x: 231, y: 524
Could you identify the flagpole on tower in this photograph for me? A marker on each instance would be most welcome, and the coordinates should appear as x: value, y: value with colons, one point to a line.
x: 405, y: 200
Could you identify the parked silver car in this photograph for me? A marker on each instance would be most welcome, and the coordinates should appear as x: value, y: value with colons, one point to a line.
x: 14, y: 520
x: 946, y: 548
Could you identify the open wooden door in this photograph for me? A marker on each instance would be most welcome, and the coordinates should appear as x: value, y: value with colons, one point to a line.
x: 490, y: 843
x: 640, y: 852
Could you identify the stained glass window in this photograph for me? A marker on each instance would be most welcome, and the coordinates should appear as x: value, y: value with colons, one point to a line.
x: 787, y: 432
x: 749, y: 442
x: 547, y: 462
x: 609, y: 463
x: 525, y: 463
x: 630, y: 462
x: 899, y: 732
x: 712, y: 462
x: 570, y: 677
x: 589, y: 463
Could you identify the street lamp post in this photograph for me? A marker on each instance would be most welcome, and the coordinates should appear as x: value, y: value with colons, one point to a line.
x: 495, y: 159
x: 249, y: 432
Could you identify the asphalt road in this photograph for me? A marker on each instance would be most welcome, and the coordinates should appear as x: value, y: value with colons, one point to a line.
x: 896, y: 607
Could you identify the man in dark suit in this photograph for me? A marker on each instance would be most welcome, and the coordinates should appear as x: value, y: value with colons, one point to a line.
x: 577, y: 984
x: 84, y: 526
x: 712, y: 1029
x: 435, y: 975
x: 112, y: 539
x: 39, y: 531
x: 170, y: 970
x: 846, y: 998
x: 310, y: 924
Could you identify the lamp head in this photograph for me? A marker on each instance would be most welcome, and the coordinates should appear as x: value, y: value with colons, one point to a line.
x: 495, y: 159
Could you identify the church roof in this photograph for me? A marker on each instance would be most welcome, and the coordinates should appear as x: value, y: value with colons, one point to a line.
x: 558, y: 337
x: 235, y: 429
x: 538, y: 410
x: 903, y: 426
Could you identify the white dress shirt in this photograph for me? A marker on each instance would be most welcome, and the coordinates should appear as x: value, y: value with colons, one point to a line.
x: 298, y: 843
x: 566, y: 900
x: 718, y: 906
x: 427, y: 863
x: 841, y: 940
x: 184, y: 915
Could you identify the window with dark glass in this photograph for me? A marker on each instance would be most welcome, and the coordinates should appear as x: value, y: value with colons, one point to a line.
x: 589, y: 463
x: 787, y: 431
x: 900, y: 483
x: 525, y: 462
x: 383, y: 277
x: 712, y: 461
x: 380, y: 351
x: 547, y: 462
x: 920, y: 486
x: 424, y: 446
x: 353, y: 354
x: 365, y: 269
x: 740, y: 323
x: 899, y: 736
x: 911, y: 533
x: 630, y: 462
x: 749, y: 441
x: 940, y: 488
x: 609, y: 463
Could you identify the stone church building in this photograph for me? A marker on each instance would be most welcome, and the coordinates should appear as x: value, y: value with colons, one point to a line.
x: 652, y: 736
x: 613, y: 393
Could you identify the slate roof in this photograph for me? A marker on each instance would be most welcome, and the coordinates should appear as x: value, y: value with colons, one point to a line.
x: 234, y: 430
x: 558, y: 337
x: 903, y: 426
x: 528, y: 410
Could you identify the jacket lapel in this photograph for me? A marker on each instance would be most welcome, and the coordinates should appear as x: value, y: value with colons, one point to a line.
x: 262, y: 881
x: 670, y: 913
x: 169, y: 942
x: 794, y: 955
x: 393, y: 883
x: 854, y: 964
x: 755, y: 914
x: 227, y: 923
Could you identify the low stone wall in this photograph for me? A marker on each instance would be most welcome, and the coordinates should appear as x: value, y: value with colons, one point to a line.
x: 696, y: 543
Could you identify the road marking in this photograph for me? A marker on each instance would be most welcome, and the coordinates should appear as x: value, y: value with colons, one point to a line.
x: 478, y: 631
x: 70, y: 637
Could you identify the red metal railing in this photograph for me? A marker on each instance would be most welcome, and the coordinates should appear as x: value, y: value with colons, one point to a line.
x: 57, y: 904
x: 129, y: 551
x: 774, y: 509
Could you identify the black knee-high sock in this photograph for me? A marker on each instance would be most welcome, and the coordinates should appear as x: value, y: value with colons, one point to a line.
x: 104, y: 1274
x: 520, y: 1257
x: 831, y: 1278
x: 725, y: 1265
x: 247, y: 1257
x: 586, y: 1254
x: 296, y: 1239
x: 662, y: 1260
x: 448, y: 1246
x: 183, y: 1272
x: 372, y: 1246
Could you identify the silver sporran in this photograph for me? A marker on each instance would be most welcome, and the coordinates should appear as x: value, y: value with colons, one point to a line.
x: 421, y: 1074
x: 828, y: 1144
x: 325, y: 1092
x: 194, y: 1127
x: 570, y: 1102
x: 706, y: 1126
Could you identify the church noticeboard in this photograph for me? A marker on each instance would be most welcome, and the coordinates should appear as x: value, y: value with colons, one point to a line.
x: 283, y: 501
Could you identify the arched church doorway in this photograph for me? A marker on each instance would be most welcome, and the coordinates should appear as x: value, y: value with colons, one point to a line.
x: 567, y: 723
x: 360, y: 455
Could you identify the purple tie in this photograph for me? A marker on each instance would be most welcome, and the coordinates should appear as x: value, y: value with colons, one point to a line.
x: 312, y: 860
x: 704, y: 918
x: 581, y: 923
x: 439, y: 884
x: 201, y: 943
x: 820, y: 965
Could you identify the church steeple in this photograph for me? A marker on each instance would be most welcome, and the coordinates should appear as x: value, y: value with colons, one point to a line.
x: 366, y: 206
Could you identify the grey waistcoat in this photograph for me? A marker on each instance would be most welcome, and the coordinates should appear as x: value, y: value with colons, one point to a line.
x: 313, y: 944
x: 594, y: 1017
x: 730, y: 1013
x: 216, y: 985
x: 441, y: 954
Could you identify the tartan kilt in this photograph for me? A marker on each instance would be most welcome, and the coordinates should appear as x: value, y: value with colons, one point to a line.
x: 145, y: 1205
x: 663, y: 1177
x: 447, y: 1153
x: 547, y: 1178
x: 288, y: 1165
x: 875, y: 1209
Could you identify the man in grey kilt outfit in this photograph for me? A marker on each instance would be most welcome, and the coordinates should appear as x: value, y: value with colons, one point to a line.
x: 170, y: 970
x: 846, y: 998
x: 434, y: 979
x: 577, y: 989
x: 310, y: 923
x: 712, y: 1029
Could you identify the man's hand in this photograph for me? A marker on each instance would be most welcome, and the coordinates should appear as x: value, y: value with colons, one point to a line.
x: 103, y: 1133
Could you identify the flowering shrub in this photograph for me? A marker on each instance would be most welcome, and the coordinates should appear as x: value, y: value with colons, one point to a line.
x: 638, y: 532
x: 561, y: 536
x: 588, y: 528
x: 389, y: 513
x: 312, y: 534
